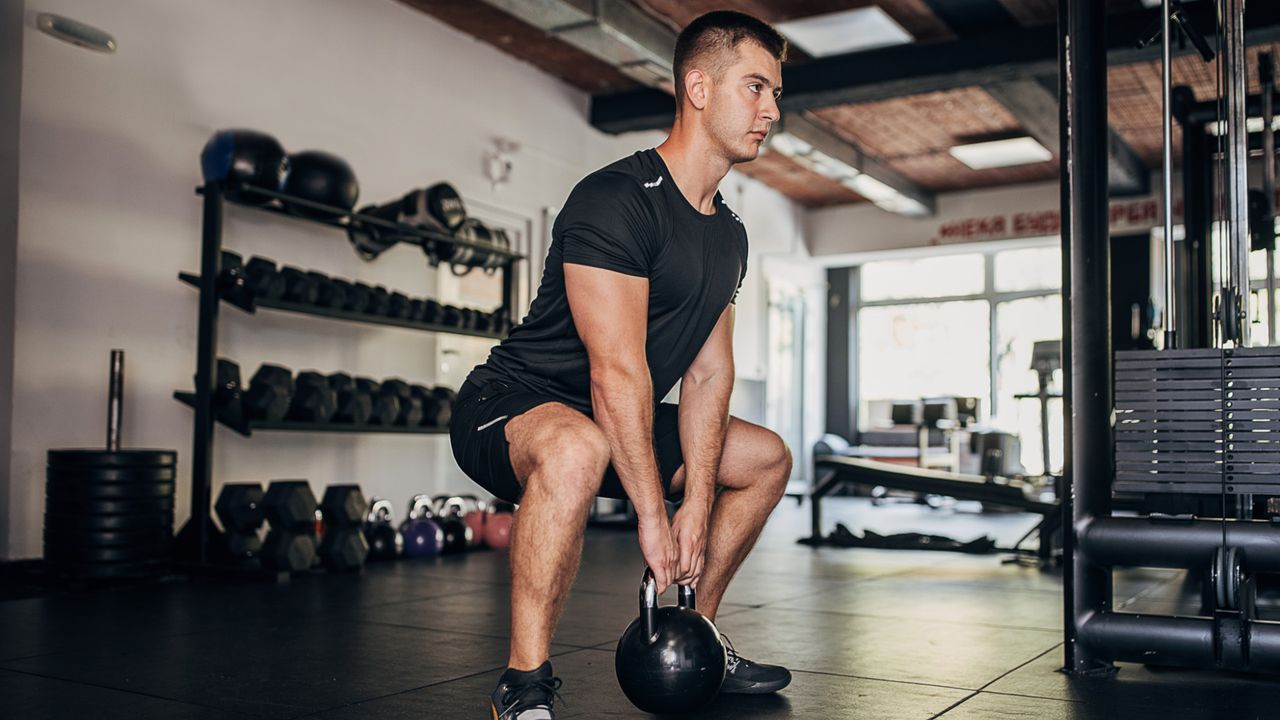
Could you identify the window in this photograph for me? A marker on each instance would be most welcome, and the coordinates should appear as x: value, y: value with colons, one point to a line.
x: 910, y: 351
x: 964, y: 325
x: 1029, y: 269
x: 940, y: 276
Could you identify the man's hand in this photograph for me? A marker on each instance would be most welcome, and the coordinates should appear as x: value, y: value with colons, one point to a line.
x: 659, y: 549
x: 689, y: 527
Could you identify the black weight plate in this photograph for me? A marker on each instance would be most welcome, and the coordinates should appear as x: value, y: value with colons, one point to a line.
x: 76, y: 554
x: 114, y: 523
x: 120, y: 491
x: 105, y: 571
x: 112, y: 475
x: 155, y: 537
x: 89, y: 458
x: 78, y: 506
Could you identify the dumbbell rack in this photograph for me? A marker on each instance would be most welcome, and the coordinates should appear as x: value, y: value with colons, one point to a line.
x: 194, y: 547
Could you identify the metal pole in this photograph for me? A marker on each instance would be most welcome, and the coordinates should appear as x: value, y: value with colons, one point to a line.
x: 1237, y: 189
x: 1166, y: 96
x: 1084, y: 158
x: 1266, y: 72
x: 206, y: 379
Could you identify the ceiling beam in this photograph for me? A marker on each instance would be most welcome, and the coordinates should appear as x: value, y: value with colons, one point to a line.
x: 1036, y: 108
x: 904, y: 70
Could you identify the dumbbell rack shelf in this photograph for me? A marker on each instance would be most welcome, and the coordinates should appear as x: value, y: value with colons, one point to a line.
x: 250, y: 426
x: 195, y: 541
x: 337, y: 314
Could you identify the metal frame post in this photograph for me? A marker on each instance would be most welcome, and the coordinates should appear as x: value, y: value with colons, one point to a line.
x: 206, y: 360
x: 1084, y: 160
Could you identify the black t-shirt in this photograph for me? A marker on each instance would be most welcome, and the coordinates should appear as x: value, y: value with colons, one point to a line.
x: 631, y: 218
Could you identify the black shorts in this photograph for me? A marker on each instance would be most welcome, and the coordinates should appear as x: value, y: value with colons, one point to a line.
x: 478, y: 435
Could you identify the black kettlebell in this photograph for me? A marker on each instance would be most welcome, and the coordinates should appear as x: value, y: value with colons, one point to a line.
x: 449, y: 510
x: 384, y: 542
x: 670, y: 659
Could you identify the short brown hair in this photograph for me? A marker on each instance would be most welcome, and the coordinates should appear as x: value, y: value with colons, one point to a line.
x: 715, y: 33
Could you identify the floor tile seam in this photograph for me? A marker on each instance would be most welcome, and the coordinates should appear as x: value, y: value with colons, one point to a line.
x: 1148, y: 591
x: 1032, y: 696
x: 1056, y: 646
x: 127, y: 691
x: 956, y: 704
x: 874, y: 616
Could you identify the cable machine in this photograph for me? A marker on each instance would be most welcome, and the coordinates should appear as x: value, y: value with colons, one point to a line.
x: 1196, y: 427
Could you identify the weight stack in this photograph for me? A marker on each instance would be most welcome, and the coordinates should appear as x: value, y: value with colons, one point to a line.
x: 109, y: 514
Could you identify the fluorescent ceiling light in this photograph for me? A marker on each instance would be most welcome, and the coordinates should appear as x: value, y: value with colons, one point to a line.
x: 844, y: 32
x: 1151, y: 3
x: 1001, y: 153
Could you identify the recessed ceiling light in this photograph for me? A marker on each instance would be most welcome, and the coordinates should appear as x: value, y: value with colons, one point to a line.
x: 1001, y: 153
x: 844, y: 32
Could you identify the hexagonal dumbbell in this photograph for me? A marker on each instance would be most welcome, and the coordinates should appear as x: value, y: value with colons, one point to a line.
x: 291, y: 511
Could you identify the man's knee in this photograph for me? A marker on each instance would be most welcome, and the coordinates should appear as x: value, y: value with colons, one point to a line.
x: 573, y: 460
x: 777, y: 462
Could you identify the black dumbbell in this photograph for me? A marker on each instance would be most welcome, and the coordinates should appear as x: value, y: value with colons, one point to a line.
x: 330, y: 293
x: 417, y: 310
x: 357, y: 299
x: 430, y: 405
x: 264, y: 279
x: 451, y: 316
x: 399, y: 306
x: 299, y: 287
x: 379, y: 300
x: 446, y: 398
x: 354, y: 407
x: 241, y: 510
x: 343, y: 548
x: 313, y: 399
x: 228, y: 394
x: 433, y: 312
x: 410, y: 407
x: 291, y: 511
x: 233, y: 283
x: 269, y: 394
x: 386, y: 406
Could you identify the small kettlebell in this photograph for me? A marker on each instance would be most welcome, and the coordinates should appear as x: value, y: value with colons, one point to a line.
x: 385, y: 543
x: 423, y: 536
x: 670, y: 659
x: 449, y: 510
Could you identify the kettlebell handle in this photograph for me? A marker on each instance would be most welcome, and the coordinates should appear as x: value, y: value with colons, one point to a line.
x: 420, y: 507
x: 381, y: 511
x: 649, y: 603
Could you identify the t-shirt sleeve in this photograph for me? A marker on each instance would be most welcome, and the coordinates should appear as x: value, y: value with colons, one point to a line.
x: 608, y: 223
x: 742, y: 271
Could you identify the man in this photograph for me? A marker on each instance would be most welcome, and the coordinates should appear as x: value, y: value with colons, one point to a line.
x: 638, y: 290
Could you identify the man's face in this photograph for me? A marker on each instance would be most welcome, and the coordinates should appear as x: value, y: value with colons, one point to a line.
x: 743, y: 104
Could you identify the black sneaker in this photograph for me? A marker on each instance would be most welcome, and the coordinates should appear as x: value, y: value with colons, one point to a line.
x: 525, y: 695
x: 750, y: 678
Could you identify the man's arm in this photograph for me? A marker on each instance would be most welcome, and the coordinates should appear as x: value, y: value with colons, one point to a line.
x: 611, y: 313
x: 704, y: 422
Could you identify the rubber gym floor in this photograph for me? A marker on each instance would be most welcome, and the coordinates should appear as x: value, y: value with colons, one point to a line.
x: 868, y: 634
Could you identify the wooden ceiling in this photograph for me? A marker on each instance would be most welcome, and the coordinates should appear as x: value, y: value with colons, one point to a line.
x: 910, y: 134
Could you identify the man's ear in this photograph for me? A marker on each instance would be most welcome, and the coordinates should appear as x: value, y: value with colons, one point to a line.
x: 695, y: 88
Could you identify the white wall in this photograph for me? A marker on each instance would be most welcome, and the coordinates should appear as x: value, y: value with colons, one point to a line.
x: 109, y: 160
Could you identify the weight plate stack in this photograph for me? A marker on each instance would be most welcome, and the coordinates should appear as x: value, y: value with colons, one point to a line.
x: 109, y: 514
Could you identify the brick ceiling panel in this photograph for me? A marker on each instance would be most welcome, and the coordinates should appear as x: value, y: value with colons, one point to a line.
x: 921, y: 124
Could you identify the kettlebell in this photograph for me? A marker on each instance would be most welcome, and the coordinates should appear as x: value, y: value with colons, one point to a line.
x: 670, y: 659
x: 497, y: 525
x: 474, y: 515
x: 385, y: 543
x: 449, y: 510
x: 423, y: 537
